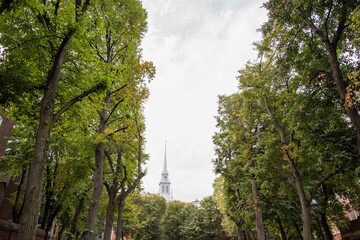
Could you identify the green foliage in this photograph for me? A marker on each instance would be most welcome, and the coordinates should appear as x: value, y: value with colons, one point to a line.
x: 287, y: 115
x: 150, y: 211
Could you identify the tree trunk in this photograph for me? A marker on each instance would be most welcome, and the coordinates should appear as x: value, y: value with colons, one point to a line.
x: 16, y: 209
x: 325, y: 226
x: 110, y: 214
x: 33, y: 195
x: 258, y: 211
x: 75, y: 220
x: 99, y: 162
x: 61, y: 232
x: 305, y: 206
x: 119, y: 228
x: 351, y: 110
x: 281, y: 228
x: 239, y: 231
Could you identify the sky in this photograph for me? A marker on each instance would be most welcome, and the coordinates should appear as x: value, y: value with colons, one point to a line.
x: 197, y: 47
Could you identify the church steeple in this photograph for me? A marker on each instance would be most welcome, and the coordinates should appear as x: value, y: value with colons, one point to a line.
x: 164, y: 185
x: 165, y: 171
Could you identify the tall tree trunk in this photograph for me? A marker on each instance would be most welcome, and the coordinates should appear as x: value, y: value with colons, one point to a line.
x: 16, y: 209
x: 61, y: 232
x: 99, y: 165
x: 281, y: 228
x: 305, y: 205
x: 110, y: 214
x: 323, y: 218
x: 351, y: 110
x: 33, y: 195
x: 119, y: 228
x: 75, y: 220
x: 239, y: 230
x: 258, y: 211
x: 325, y: 226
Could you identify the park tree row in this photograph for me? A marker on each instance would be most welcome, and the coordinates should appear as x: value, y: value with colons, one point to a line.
x: 291, y: 132
x: 150, y: 217
x: 73, y: 80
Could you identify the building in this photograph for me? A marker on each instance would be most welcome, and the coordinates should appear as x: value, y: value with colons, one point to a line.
x: 164, y: 185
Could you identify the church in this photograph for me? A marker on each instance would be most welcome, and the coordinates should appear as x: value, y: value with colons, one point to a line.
x: 164, y: 185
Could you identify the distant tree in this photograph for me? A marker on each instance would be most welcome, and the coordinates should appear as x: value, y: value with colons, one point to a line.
x: 150, y: 210
x: 210, y: 217
x: 173, y: 220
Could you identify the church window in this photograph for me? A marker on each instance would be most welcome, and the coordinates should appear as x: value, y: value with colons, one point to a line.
x: 163, y: 189
x: 167, y: 189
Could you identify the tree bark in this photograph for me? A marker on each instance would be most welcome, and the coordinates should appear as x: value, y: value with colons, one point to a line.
x: 351, y: 110
x: 61, y: 232
x: 305, y: 205
x: 325, y: 226
x: 239, y: 230
x: 258, y: 211
x: 119, y: 227
x: 75, y: 220
x: 98, y: 181
x: 282, y: 231
x: 110, y: 214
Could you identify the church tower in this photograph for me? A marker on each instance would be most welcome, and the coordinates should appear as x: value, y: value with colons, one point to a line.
x: 164, y: 185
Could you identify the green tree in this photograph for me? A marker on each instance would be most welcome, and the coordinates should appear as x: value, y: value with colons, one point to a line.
x: 39, y: 35
x: 300, y: 27
x: 210, y: 218
x: 151, y: 210
x: 174, y: 219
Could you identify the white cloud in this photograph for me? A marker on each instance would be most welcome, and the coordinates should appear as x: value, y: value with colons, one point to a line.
x: 197, y: 47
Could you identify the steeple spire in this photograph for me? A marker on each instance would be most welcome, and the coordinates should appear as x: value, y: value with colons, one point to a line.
x: 165, y: 171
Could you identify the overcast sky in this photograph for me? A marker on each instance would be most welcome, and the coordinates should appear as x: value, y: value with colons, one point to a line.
x: 197, y: 47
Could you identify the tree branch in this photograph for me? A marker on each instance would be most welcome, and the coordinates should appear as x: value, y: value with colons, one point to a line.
x: 110, y: 161
x: 316, y: 187
x: 75, y: 100
x: 121, y: 129
x: 112, y: 111
x: 318, y: 32
x: 120, y: 88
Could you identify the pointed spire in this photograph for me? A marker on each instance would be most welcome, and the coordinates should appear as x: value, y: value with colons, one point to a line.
x: 165, y: 163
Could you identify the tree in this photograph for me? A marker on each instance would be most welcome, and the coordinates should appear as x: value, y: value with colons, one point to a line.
x: 56, y: 25
x: 323, y: 25
x: 210, y: 218
x: 151, y: 209
x: 118, y: 53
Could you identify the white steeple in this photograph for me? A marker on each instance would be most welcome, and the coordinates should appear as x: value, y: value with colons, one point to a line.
x: 164, y: 185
